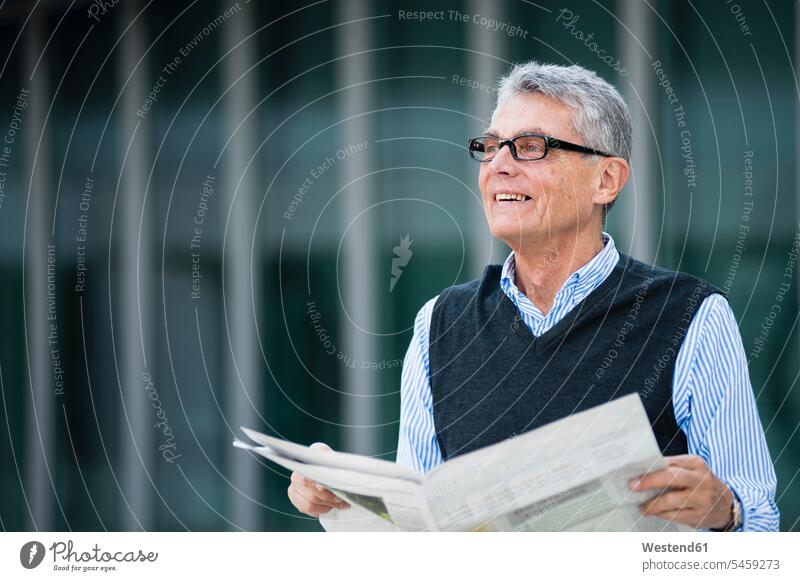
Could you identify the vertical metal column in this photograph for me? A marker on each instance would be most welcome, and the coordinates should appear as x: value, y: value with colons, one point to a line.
x: 133, y: 290
x: 358, y: 249
x: 485, y: 68
x: 39, y: 436
x: 243, y: 386
x: 638, y: 202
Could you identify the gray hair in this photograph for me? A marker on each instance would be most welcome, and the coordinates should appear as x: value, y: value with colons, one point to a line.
x: 600, y: 115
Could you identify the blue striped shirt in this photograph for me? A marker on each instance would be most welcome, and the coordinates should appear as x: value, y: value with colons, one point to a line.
x: 711, y: 392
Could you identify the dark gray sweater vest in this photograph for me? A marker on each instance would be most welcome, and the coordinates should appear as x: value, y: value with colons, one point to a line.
x: 491, y: 378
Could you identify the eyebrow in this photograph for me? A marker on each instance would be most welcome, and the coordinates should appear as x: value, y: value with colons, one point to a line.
x: 494, y: 133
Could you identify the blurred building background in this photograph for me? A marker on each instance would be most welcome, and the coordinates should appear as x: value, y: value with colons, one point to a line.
x: 202, y: 200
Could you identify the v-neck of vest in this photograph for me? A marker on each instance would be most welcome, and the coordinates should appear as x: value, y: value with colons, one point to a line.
x: 584, y: 306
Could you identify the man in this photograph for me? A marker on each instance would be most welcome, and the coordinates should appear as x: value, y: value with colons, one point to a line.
x: 568, y: 322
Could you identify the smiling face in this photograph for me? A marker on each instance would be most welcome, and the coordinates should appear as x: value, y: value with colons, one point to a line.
x: 560, y: 190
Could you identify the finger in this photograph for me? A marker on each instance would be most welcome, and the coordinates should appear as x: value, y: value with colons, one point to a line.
x: 688, y: 461
x: 306, y: 504
x: 316, y: 489
x: 321, y: 446
x: 314, y: 510
x: 670, y: 477
x: 331, y: 500
x: 327, y: 503
x: 667, y: 502
x: 313, y: 492
x: 302, y: 504
x: 313, y: 497
x: 325, y: 495
x: 318, y: 509
x: 313, y: 488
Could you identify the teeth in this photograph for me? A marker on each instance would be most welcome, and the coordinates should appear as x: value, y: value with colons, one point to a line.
x: 511, y: 197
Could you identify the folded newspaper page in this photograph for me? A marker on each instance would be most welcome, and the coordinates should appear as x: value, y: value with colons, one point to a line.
x: 569, y: 475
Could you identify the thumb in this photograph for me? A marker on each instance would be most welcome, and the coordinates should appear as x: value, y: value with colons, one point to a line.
x: 321, y: 446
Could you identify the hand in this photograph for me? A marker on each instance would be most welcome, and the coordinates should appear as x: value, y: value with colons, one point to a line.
x: 695, y: 496
x: 309, y: 497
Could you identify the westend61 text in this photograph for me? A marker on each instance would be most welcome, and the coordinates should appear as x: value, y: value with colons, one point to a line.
x: 675, y: 547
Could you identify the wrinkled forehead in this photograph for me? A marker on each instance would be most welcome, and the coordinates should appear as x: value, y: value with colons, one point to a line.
x: 532, y: 113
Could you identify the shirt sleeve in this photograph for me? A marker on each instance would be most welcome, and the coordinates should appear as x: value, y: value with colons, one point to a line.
x: 715, y: 406
x: 417, y: 447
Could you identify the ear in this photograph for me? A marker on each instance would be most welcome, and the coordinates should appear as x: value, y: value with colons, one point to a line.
x: 613, y: 173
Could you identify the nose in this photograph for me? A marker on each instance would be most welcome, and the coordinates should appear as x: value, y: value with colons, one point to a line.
x: 503, y: 163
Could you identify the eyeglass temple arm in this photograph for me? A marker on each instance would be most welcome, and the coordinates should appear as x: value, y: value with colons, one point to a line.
x: 554, y: 143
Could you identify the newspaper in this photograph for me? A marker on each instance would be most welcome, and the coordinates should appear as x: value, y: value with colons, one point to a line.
x: 569, y: 475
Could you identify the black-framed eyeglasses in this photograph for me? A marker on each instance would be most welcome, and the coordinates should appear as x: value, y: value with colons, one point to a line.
x: 525, y: 147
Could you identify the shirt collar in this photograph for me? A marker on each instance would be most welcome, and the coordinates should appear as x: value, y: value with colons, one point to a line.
x: 590, y: 275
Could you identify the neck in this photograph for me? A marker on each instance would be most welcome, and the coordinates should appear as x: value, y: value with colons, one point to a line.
x: 542, y: 268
